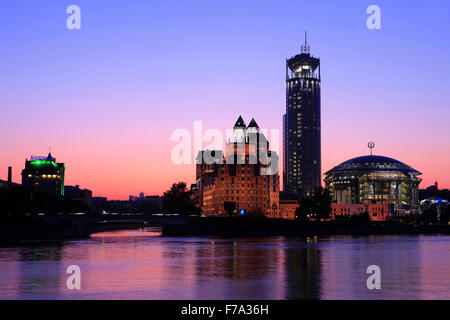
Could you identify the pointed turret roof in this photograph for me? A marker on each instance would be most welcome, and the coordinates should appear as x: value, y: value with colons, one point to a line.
x: 253, y: 124
x: 240, y: 123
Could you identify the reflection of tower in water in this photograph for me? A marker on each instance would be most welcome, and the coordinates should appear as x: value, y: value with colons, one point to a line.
x: 302, y: 269
x: 254, y: 267
x: 270, y: 268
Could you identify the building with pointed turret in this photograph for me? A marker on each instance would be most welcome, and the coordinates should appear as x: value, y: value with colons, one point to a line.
x: 244, y: 179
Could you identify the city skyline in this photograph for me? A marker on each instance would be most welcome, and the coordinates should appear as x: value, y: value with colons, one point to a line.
x: 108, y: 96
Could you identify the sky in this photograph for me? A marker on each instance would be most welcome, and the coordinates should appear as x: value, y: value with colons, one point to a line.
x: 107, y: 98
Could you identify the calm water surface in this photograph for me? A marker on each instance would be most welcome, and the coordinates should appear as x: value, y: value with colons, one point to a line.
x: 143, y: 265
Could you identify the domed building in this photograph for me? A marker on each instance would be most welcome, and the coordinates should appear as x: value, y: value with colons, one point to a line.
x: 374, y: 180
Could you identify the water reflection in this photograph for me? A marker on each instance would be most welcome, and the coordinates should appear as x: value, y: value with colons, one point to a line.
x: 147, y: 266
x: 302, y: 269
x: 233, y: 268
x: 345, y: 261
x: 30, y: 268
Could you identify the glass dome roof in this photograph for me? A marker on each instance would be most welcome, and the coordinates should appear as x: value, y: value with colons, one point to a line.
x: 373, y: 163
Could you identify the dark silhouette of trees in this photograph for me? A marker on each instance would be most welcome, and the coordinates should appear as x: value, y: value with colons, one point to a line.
x: 322, y: 203
x: 317, y: 206
x: 429, y: 215
x: 304, y: 210
x: 15, y: 201
x: 178, y: 199
x: 445, y: 215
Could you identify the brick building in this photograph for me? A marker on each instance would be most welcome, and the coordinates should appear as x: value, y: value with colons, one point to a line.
x: 244, y: 180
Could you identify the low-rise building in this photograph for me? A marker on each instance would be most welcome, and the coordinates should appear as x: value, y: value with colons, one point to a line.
x: 77, y: 194
x: 288, y: 205
x: 376, y: 211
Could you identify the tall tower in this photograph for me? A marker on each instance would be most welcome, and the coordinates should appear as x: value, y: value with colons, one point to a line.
x: 301, y: 123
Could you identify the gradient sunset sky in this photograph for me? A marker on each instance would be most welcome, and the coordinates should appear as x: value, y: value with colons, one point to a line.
x: 107, y: 98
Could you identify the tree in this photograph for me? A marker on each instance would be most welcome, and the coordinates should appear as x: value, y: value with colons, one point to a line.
x: 317, y: 206
x: 429, y: 215
x: 14, y: 201
x: 322, y: 203
x: 445, y: 215
x: 304, y: 210
x: 178, y: 200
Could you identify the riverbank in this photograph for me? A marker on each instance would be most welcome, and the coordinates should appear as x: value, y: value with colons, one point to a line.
x: 70, y: 227
x: 57, y: 227
x: 248, y: 226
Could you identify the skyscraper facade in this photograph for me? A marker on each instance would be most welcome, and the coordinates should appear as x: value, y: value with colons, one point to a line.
x: 301, y: 124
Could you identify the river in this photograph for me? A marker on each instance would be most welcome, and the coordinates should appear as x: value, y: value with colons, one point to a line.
x: 144, y: 265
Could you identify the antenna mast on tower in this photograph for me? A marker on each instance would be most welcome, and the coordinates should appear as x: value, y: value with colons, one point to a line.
x: 305, y: 48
